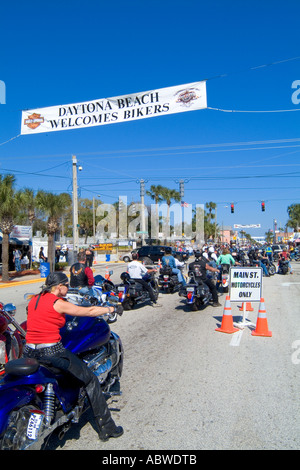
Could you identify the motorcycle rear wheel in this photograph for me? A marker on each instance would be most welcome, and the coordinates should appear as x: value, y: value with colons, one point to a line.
x: 195, y: 306
x: 15, y: 435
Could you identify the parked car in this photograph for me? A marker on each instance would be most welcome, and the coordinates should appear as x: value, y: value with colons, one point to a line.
x: 150, y: 254
x: 154, y: 253
x: 276, y: 250
x: 127, y: 257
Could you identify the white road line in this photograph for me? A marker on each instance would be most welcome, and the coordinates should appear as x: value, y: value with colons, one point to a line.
x: 236, y: 338
x: 287, y: 284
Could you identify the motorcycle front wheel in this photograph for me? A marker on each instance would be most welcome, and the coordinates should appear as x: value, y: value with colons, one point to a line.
x: 15, y: 436
x: 272, y: 269
x: 128, y: 304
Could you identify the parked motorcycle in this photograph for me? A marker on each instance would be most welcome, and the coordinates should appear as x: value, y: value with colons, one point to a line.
x: 295, y: 255
x: 168, y: 281
x: 270, y: 267
x: 242, y: 258
x: 196, y: 292
x: 225, y: 276
x: 12, y: 335
x: 132, y: 293
x: 37, y: 399
x: 283, y: 266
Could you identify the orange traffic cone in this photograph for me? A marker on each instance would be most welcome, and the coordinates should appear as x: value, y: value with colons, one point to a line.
x: 227, y: 320
x: 159, y: 263
x: 249, y: 307
x: 106, y: 273
x: 262, y: 322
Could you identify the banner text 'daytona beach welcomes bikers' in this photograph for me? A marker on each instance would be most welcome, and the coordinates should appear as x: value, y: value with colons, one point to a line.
x: 171, y: 100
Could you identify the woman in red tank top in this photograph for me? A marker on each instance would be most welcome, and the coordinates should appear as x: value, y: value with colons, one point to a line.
x: 46, y: 316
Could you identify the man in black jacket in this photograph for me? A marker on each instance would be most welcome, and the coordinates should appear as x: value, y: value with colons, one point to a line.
x: 199, y: 268
x: 81, y: 275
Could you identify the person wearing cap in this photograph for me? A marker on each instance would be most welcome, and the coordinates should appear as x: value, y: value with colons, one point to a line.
x: 200, y: 267
x: 168, y: 260
x: 138, y: 271
x: 212, y: 254
x: 46, y: 316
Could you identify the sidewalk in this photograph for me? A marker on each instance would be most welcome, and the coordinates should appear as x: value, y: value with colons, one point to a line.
x: 34, y: 277
x: 26, y: 278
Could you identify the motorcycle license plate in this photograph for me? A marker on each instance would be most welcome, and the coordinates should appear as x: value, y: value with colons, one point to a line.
x: 34, y: 424
x: 121, y: 289
x: 190, y: 289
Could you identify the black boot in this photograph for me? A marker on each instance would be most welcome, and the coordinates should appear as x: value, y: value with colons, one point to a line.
x: 108, y: 430
x: 104, y: 436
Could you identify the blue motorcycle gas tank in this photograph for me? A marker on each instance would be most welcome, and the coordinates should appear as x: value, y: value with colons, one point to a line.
x: 82, y: 334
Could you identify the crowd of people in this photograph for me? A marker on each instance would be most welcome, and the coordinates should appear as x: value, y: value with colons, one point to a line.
x: 47, y: 310
x: 218, y: 254
x: 21, y: 259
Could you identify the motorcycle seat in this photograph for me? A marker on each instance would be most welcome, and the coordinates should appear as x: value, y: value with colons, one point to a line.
x: 22, y: 366
x: 136, y: 285
x: 165, y: 270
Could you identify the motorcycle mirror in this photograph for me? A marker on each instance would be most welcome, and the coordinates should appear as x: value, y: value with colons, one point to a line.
x: 10, y: 308
x: 28, y: 296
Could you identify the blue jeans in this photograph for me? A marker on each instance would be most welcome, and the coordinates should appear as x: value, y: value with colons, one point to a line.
x: 179, y: 275
x: 262, y: 265
x: 18, y: 264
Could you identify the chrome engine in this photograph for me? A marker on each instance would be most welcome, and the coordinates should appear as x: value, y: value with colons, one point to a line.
x: 105, y: 360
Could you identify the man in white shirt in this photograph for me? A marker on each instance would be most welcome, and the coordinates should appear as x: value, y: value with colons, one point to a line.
x: 137, y: 271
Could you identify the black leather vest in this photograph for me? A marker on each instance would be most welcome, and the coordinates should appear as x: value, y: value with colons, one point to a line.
x: 78, y: 277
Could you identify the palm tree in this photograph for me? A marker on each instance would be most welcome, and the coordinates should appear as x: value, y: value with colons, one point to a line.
x: 155, y: 194
x: 294, y: 216
x: 27, y: 200
x: 8, y: 211
x: 168, y: 195
x: 53, y: 206
x: 210, y: 206
x: 85, y: 217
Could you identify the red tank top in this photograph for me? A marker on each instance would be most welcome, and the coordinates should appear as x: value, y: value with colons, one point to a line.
x: 44, y: 323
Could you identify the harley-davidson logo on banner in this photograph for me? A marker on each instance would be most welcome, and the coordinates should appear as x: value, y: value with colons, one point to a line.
x: 103, y: 111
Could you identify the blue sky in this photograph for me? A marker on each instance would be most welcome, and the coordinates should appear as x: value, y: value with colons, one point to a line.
x: 65, y: 52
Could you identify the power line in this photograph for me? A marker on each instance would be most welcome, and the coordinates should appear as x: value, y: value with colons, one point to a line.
x: 252, y: 111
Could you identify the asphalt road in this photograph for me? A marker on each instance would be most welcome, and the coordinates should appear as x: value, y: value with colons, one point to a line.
x: 186, y: 386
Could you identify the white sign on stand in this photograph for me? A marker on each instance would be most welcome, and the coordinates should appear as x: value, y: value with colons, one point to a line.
x: 245, y: 286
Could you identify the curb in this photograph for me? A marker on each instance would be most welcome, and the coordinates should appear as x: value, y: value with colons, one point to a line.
x: 20, y: 283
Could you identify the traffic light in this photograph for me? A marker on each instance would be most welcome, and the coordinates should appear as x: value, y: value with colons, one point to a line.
x: 232, y: 208
x: 263, y: 207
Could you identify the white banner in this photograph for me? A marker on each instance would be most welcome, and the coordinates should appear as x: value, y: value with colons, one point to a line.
x: 103, y: 111
x: 246, y: 226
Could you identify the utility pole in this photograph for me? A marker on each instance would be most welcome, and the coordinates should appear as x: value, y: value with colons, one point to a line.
x: 142, y: 194
x: 181, y: 188
x: 75, y: 209
x: 94, y: 221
